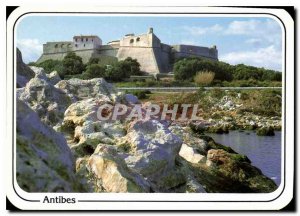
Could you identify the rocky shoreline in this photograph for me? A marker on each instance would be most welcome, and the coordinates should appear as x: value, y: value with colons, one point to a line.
x: 63, y: 147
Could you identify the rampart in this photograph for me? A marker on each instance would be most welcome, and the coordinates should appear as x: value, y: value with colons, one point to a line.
x: 153, y: 56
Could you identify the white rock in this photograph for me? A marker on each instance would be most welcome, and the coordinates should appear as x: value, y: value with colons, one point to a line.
x: 190, y: 154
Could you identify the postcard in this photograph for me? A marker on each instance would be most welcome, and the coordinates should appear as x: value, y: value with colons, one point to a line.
x: 150, y: 108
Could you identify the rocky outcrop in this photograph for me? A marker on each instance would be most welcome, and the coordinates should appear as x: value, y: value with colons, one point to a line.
x: 265, y: 131
x: 83, y: 89
x: 44, y: 161
x: 47, y: 101
x: 24, y: 73
x: 237, y: 168
x: 150, y: 148
x: 118, y: 156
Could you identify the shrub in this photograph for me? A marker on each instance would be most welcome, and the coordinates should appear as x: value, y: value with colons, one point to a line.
x: 204, y: 78
x: 94, y: 71
x: 72, y: 64
x: 123, y: 70
x: 186, y: 69
x: 49, y: 66
x: 141, y: 94
x: 103, y: 60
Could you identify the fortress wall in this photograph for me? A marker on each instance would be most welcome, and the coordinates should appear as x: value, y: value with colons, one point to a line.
x: 187, y: 50
x: 57, y: 47
x: 84, y: 54
x: 54, y: 56
x: 108, y: 50
x: 163, y: 60
x: 144, y: 55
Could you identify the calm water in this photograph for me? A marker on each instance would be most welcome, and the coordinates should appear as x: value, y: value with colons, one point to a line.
x: 263, y: 151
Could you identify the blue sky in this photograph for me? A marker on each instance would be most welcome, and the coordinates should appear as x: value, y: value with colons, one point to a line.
x: 253, y: 40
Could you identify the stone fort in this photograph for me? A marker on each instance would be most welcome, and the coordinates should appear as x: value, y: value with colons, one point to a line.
x: 153, y: 56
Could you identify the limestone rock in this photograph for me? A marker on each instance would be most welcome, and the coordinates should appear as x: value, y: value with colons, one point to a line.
x: 86, y: 130
x: 54, y: 77
x: 83, y: 89
x: 24, y: 73
x: 106, y: 165
x: 44, y: 161
x: 153, y: 149
x: 49, y: 102
x: 190, y: 154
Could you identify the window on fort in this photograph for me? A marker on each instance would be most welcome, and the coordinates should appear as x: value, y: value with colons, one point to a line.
x: 75, y: 45
x: 83, y: 45
x: 138, y: 39
x: 62, y: 45
x: 75, y: 39
x: 92, y: 40
x: 131, y: 40
x: 81, y: 39
x: 56, y: 45
x: 86, y: 39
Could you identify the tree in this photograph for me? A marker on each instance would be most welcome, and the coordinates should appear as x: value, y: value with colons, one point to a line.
x: 131, y: 66
x: 72, y: 64
x: 94, y: 71
x: 186, y: 68
x: 123, y: 69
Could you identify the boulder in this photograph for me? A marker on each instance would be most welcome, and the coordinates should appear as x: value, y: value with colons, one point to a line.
x: 106, y: 165
x: 44, y: 161
x: 191, y: 155
x: 85, y: 130
x: 53, y: 77
x: 237, y: 169
x: 154, y: 148
x: 83, y: 89
x: 265, y: 131
x: 131, y: 99
x: 49, y: 102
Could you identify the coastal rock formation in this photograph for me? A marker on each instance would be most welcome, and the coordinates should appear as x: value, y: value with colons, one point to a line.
x: 117, y: 156
x: 47, y: 101
x: 83, y: 89
x: 24, y: 73
x: 44, y: 161
x: 237, y: 168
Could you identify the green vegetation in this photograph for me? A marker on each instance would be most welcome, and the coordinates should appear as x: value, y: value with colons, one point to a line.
x: 72, y: 64
x: 123, y: 70
x: 93, y: 71
x: 50, y: 65
x: 259, y: 102
x: 187, y: 68
x: 188, y: 72
x: 104, y: 67
x: 141, y: 94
